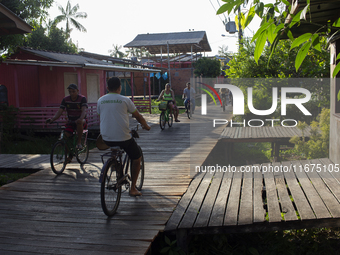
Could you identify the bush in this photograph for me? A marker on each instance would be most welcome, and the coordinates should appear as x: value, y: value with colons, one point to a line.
x: 318, y: 144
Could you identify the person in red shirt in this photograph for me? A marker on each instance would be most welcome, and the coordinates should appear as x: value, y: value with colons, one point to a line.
x: 76, y: 106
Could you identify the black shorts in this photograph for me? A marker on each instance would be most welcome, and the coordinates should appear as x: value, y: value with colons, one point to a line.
x: 71, y: 126
x: 129, y: 146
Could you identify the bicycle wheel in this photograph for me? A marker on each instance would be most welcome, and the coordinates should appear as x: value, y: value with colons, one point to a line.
x: 188, y: 111
x: 162, y: 120
x: 109, y: 192
x: 171, y: 120
x: 83, y: 154
x: 58, y: 157
x: 140, y: 180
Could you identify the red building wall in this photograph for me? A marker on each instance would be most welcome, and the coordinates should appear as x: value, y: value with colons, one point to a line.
x: 40, y: 86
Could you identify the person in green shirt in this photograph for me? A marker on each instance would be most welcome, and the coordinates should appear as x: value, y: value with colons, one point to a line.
x: 168, y: 95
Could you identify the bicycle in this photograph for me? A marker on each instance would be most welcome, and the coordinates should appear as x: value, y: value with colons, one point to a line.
x: 114, y: 176
x: 188, y: 110
x: 68, y: 146
x: 166, y: 116
x: 224, y: 101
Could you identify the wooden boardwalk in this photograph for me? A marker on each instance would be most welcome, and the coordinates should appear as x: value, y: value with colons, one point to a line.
x: 277, y: 196
x: 48, y: 214
x: 277, y: 136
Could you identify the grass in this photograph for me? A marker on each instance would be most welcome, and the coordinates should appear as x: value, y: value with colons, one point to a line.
x: 256, y: 153
x: 6, y: 178
x: 39, y: 144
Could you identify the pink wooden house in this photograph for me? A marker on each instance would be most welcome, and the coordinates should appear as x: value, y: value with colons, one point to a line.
x: 36, y: 81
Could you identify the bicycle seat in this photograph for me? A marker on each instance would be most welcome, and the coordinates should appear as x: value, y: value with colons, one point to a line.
x: 116, y: 149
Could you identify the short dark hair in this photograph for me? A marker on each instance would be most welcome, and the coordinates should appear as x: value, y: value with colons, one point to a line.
x: 113, y: 83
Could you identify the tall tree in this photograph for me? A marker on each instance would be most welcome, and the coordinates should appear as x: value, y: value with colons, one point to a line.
x: 32, y: 11
x: 207, y: 68
x: 70, y: 14
x: 116, y: 51
x: 52, y: 40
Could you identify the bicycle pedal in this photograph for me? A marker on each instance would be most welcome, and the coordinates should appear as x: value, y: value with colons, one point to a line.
x: 124, y: 182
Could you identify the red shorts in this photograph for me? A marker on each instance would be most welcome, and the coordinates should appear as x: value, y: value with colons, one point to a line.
x: 70, y: 127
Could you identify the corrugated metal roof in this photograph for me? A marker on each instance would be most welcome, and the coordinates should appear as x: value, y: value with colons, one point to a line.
x: 64, y: 59
x: 178, y: 42
x: 11, y: 23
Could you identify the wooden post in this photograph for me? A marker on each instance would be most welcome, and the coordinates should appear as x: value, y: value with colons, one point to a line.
x: 149, y: 81
x: 1, y: 131
x: 132, y: 83
x: 277, y: 152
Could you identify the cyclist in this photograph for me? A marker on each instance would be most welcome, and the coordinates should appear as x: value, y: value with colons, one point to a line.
x: 168, y: 95
x: 224, y: 95
x: 189, y: 96
x: 114, y: 110
x: 76, y: 106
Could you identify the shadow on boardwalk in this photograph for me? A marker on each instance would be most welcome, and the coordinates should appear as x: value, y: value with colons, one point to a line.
x: 48, y: 214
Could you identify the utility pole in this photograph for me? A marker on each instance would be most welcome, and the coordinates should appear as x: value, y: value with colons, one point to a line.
x: 240, y: 35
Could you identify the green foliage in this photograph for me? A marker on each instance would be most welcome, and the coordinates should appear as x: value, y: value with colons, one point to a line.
x: 8, y: 119
x: 56, y: 40
x: 282, y: 62
x: 278, y: 19
x: 301, y: 241
x: 6, y: 178
x: 70, y: 14
x: 281, y: 66
x: 170, y: 247
x: 318, y: 144
x: 207, y: 68
x: 31, y: 11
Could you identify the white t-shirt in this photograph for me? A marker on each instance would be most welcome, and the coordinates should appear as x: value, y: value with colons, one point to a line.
x: 114, y: 112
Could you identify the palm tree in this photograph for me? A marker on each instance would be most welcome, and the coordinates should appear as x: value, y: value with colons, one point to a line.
x: 116, y: 53
x: 223, y: 51
x: 70, y: 14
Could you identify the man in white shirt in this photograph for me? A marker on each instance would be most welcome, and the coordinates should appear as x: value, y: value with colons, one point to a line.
x: 189, y: 95
x: 114, y: 110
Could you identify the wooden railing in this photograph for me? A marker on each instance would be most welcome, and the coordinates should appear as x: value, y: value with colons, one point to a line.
x: 143, y: 105
x: 35, y: 117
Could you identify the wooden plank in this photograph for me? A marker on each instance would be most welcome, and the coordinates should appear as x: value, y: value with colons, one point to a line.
x: 312, y: 195
x: 287, y: 207
x: 183, y: 204
x: 231, y: 215
x: 303, y: 207
x: 330, y: 166
x: 196, y: 202
x: 246, y: 205
x: 259, y: 211
x: 273, y: 209
x: 209, y: 201
x: 217, y: 215
x: 327, y: 177
x: 327, y: 197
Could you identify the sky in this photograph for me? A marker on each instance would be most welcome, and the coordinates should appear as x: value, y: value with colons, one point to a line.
x: 113, y: 22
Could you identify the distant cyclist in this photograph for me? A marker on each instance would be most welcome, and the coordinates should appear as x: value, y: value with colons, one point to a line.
x: 189, y: 95
x: 168, y: 95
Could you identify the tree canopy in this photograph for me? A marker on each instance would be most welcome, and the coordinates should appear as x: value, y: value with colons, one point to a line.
x: 207, y: 68
x: 70, y: 15
x: 32, y: 11
x: 278, y: 19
